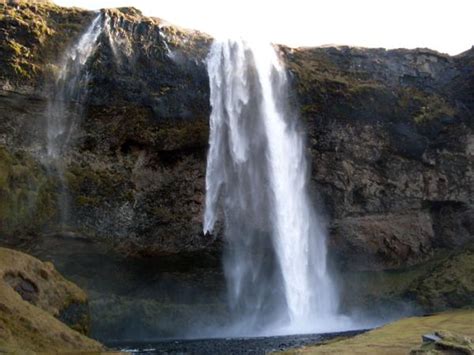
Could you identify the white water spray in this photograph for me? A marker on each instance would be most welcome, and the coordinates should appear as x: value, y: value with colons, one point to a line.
x: 275, y: 260
x: 70, y: 90
x: 65, y: 108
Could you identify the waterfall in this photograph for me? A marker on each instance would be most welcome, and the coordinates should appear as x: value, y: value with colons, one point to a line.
x: 256, y: 181
x: 65, y: 108
x: 70, y: 89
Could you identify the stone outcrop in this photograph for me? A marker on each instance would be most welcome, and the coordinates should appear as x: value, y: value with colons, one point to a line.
x: 445, y: 343
x: 390, y: 137
x: 36, y: 306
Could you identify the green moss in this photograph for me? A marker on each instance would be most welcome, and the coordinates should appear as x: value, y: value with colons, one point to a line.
x: 450, y: 284
x: 17, y: 48
x: 38, y: 34
x: 424, y: 107
x: 27, y: 194
x: 321, y: 80
x: 27, y: 327
x: 181, y: 136
x: 444, y: 282
x: 91, y: 187
x: 24, y: 70
x: 86, y: 201
x: 447, y: 343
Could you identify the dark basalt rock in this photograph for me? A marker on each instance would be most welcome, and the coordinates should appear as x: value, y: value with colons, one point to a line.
x: 26, y: 288
x: 389, y: 133
x: 390, y: 136
x: 77, y: 316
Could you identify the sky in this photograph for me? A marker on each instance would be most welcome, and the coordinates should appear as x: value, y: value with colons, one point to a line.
x: 444, y: 25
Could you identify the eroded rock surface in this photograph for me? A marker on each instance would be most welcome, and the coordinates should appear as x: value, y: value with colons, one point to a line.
x: 389, y: 136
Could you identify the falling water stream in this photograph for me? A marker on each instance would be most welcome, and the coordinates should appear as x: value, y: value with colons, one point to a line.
x: 256, y: 185
x: 65, y: 108
x: 70, y: 88
x: 275, y: 260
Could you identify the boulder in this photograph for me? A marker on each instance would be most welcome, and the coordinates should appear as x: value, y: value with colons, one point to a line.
x: 445, y: 342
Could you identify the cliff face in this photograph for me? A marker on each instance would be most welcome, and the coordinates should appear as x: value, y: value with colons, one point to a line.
x: 135, y: 169
x: 389, y: 133
x: 390, y: 140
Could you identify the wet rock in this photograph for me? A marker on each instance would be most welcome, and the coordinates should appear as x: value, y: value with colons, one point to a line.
x: 444, y: 281
x: 389, y: 137
x: 382, y: 241
x: 448, y: 285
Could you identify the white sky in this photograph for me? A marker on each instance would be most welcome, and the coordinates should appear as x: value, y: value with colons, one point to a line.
x: 443, y: 25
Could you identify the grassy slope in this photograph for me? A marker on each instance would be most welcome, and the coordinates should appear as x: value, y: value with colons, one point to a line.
x: 399, y: 337
x: 32, y: 326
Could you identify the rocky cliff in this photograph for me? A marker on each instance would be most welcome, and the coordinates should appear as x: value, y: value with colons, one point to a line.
x: 390, y: 139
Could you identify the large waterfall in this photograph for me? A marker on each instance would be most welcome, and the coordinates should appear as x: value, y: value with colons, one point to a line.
x: 275, y: 259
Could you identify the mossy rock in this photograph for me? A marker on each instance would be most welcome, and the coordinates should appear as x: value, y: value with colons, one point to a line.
x: 37, y: 34
x: 91, y: 187
x: 444, y: 282
x: 447, y: 343
x: 28, y: 197
x: 450, y: 284
x: 424, y: 107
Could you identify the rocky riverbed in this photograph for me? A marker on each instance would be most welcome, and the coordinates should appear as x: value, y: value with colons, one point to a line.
x: 257, y: 345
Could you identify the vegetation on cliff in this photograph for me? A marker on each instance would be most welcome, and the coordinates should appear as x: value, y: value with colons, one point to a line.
x: 33, y: 36
x: 351, y: 79
x: 27, y: 194
x: 446, y: 281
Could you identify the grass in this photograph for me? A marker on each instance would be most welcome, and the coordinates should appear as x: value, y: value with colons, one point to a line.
x: 398, y: 337
x: 425, y: 107
x: 32, y: 326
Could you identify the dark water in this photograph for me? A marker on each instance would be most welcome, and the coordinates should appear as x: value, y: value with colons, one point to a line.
x: 258, y: 345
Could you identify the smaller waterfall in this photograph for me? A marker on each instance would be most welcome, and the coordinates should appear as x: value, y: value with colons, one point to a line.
x: 65, y: 108
x: 70, y: 91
